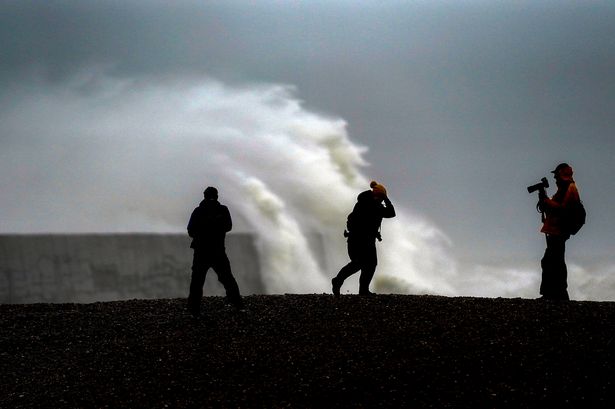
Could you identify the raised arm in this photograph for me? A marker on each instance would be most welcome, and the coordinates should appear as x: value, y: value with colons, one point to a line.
x: 389, y: 210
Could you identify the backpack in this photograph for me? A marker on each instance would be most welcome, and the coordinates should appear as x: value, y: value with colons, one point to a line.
x: 351, y: 224
x: 574, y: 217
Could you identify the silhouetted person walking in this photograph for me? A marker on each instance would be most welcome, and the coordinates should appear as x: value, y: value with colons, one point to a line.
x: 363, y: 228
x: 556, y: 209
x: 208, y: 226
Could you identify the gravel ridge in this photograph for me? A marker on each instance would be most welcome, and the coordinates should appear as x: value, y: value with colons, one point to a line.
x: 314, y: 350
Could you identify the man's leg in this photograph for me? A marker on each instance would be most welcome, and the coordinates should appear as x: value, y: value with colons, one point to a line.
x: 368, y: 268
x: 199, y: 271
x: 354, y: 252
x: 546, y: 285
x: 554, y: 271
x: 222, y: 267
x: 560, y: 271
x: 345, y: 272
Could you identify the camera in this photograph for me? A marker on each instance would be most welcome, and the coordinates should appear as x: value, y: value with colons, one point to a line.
x: 544, y: 183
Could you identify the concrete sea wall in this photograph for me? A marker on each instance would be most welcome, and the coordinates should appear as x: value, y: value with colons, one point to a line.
x: 59, y: 268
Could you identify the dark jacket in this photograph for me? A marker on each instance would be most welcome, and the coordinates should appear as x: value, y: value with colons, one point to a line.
x: 208, y: 225
x: 367, y: 215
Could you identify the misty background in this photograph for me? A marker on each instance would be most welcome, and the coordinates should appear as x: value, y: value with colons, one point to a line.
x: 455, y: 107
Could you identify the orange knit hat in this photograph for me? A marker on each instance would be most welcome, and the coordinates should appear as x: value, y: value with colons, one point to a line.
x: 378, y: 189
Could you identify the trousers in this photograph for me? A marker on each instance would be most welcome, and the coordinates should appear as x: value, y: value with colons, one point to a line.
x: 363, y: 257
x: 554, y: 271
x: 219, y: 262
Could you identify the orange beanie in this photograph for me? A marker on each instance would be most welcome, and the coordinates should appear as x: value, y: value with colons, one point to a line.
x: 378, y: 189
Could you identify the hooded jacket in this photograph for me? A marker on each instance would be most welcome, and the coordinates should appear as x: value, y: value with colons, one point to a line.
x: 208, y: 225
x: 367, y: 215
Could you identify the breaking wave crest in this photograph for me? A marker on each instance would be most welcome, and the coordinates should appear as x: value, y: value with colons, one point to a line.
x: 127, y: 156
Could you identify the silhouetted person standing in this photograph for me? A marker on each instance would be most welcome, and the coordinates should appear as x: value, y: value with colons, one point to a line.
x: 554, y: 272
x: 363, y: 228
x: 208, y: 226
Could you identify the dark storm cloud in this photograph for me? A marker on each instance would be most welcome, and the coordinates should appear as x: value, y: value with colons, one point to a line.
x: 56, y: 39
x: 476, y: 42
x: 461, y: 63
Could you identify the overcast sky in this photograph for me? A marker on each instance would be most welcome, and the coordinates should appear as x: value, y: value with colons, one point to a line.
x: 462, y: 104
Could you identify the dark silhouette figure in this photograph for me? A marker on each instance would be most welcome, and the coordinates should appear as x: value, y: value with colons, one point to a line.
x: 363, y: 228
x: 208, y: 226
x: 554, y: 272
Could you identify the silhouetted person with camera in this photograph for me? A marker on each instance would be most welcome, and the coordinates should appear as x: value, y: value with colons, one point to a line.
x: 363, y: 229
x: 208, y: 226
x: 557, y: 212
